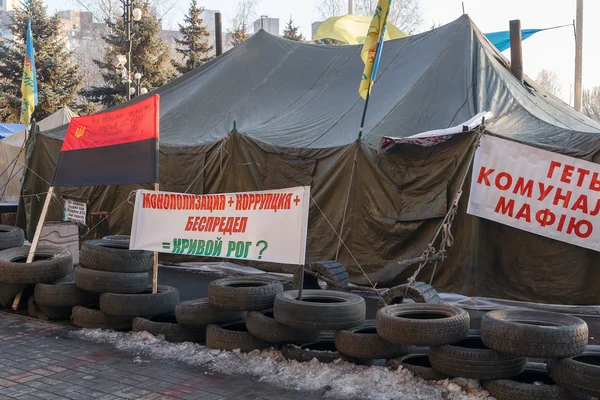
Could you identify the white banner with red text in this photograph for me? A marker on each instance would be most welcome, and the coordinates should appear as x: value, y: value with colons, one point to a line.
x: 266, y: 225
x: 538, y: 191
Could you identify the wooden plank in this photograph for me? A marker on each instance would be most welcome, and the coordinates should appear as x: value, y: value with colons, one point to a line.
x: 36, y: 239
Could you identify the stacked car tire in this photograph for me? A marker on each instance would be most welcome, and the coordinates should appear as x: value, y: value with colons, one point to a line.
x: 121, y: 277
x: 46, y: 284
x: 498, y: 354
x: 243, y: 301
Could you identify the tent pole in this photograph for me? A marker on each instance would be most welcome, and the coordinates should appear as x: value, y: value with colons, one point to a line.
x: 36, y: 239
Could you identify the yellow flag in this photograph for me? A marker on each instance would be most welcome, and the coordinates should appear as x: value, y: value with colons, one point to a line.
x: 373, y: 45
x: 29, y: 90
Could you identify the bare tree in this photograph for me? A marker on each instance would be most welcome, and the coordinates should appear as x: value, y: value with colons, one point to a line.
x: 245, y: 13
x: 405, y: 14
x: 591, y: 103
x: 241, y: 22
x: 549, y: 80
x: 103, y: 10
x: 332, y: 8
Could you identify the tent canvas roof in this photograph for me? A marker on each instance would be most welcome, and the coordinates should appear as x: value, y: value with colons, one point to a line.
x: 9, y: 129
x: 302, y: 95
x: 59, y: 118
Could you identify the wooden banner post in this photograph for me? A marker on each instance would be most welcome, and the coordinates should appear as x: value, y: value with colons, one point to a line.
x: 36, y: 239
x: 155, y: 267
x: 156, y: 189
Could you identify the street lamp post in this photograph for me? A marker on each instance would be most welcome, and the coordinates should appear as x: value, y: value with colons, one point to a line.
x: 129, y: 15
x: 140, y: 89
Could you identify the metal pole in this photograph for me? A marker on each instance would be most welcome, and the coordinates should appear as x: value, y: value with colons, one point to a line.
x: 516, y: 51
x: 578, y: 54
x: 218, y: 34
x: 350, y: 6
x: 301, y: 282
x: 128, y: 23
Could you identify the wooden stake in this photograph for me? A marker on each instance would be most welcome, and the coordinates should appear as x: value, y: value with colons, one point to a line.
x: 36, y: 239
x: 155, y: 267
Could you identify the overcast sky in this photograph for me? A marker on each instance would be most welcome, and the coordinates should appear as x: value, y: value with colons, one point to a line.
x: 552, y: 50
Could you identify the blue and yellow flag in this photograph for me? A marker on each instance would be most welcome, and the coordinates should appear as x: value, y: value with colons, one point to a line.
x: 29, y: 90
x: 371, y: 51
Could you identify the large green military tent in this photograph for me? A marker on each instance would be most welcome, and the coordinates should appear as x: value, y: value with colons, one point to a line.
x: 274, y: 113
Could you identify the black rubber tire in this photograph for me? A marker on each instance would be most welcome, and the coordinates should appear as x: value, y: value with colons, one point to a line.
x: 320, y: 310
x: 322, y: 350
x: 419, y: 292
x: 8, y: 291
x: 329, y: 269
x: 11, y: 236
x: 524, y: 387
x: 263, y: 325
x: 533, y: 333
x: 231, y: 336
x: 418, y: 363
x: 472, y: 359
x: 49, y: 264
x: 119, y: 238
x: 244, y: 293
x: 167, y: 325
x: 110, y: 282
x: 63, y: 295
x: 91, y: 317
x: 32, y: 309
x: 141, y: 304
x: 114, y: 256
x: 201, y: 312
x: 579, y: 374
x: 413, y: 324
x: 363, y: 342
x: 52, y: 313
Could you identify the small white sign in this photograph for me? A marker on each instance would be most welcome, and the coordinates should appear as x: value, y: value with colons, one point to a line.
x: 75, y: 211
x: 546, y: 193
x: 267, y: 225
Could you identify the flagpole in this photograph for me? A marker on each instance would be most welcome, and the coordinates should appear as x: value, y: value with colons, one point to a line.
x: 364, y: 114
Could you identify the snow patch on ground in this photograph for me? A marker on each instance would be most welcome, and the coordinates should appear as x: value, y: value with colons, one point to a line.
x: 337, y: 380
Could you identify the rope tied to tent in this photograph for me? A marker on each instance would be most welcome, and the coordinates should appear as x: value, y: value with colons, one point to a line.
x: 445, y: 229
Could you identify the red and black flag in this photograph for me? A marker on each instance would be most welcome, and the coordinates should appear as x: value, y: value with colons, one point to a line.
x: 112, y: 148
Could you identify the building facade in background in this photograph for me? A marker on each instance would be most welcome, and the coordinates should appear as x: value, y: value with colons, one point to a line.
x: 271, y: 25
x: 6, y: 12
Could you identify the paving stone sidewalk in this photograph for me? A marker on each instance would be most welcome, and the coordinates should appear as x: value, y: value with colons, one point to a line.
x: 39, y: 360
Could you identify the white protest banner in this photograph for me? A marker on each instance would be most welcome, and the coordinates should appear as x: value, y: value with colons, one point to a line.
x: 266, y: 225
x: 75, y: 211
x: 538, y: 191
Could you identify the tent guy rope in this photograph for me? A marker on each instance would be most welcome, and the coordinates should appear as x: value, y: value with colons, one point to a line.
x: 347, y: 249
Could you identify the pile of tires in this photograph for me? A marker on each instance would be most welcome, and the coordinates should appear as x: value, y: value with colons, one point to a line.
x: 571, y: 370
x: 498, y: 354
x: 46, y: 284
x: 122, y: 280
x: 10, y: 237
x: 235, y: 313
